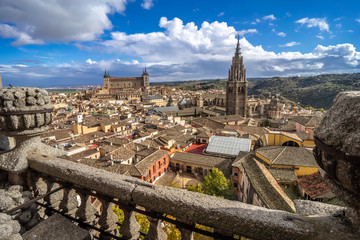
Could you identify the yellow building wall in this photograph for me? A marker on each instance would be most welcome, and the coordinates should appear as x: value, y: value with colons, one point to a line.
x: 105, y: 128
x: 76, y: 129
x: 299, y: 170
x: 263, y: 158
x: 306, y: 171
x: 309, y: 143
x: 279, y: 139
x: 86, y: 130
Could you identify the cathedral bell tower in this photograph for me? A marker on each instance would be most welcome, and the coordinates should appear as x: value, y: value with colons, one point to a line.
x: 236, y: 86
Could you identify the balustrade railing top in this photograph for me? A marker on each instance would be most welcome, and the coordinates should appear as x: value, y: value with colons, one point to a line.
x: 227, y: 217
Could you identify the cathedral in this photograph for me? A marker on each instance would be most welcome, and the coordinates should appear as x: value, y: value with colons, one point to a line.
x: 115, y: 84
x: 237, y: 101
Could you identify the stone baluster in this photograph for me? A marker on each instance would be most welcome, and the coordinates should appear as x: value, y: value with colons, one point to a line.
x: 155, y: 230
x: 186, y: 234
x: 69, y: 202
x: 86, y: 211
x: 55, y: 198
x: 130, y: 227
x: 108, y: 219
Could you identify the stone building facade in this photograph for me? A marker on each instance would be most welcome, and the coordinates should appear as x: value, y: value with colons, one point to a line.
x: 116, y: 84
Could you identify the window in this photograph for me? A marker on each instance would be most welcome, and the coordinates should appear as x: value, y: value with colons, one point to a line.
x: 236, y: 174
x: 235, y: 185
x: 159, y: 164
x: 154, y: 168
x: 164, y: 161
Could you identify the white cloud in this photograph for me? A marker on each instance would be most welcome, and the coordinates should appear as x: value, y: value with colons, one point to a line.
x: 221, y: 14
x: 269, y: 17
x: 320, y: 37
x: 281, y: 34
x: 244, y: 32
x: 37, y: 21
x: 289, y: 44
x: 89, y: 61
x: 358, y: 20
x: 22, y: 38
x: 337, y: 19
x: 256, y: 21
x: 183, y: 51
x: 339, y: 25
x: 147, y: 4
x: 314, y: 22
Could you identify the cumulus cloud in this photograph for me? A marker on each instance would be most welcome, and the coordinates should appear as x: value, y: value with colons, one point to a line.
x: 89, y: 61
x: 314, y: 22
x: 36, y: 21
x: 183, y: 51
x: 358, y: 20
x: 281, y: 34
x: 269, y: 17
x: 7, y: 31
x: 147, y: 4
x: 289, y: 44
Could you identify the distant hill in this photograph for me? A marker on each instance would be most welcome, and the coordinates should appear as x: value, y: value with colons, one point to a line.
x: 315, y: 91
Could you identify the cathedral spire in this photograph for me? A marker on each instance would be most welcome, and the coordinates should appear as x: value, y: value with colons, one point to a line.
x: 238, y: 51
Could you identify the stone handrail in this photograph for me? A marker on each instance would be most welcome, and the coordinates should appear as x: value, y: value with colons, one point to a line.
x: 227, y: 217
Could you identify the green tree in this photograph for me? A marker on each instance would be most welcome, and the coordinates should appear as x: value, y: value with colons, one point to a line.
x: 215, y: 184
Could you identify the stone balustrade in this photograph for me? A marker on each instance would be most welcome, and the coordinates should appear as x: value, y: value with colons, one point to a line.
x: 227, y: 218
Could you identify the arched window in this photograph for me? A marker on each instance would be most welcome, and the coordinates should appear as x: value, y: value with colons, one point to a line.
x: 291, y: 143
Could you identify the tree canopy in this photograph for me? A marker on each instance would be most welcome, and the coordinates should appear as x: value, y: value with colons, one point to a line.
x: 215, y: 184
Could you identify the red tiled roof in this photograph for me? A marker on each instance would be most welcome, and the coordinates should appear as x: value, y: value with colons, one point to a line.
x: 196, y: 148
x: 314, y: 185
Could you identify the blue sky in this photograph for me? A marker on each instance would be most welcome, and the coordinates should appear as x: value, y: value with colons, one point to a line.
x: 66, y: 42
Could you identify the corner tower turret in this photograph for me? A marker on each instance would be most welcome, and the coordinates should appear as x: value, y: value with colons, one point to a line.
x: 107, y: 79
x: 146, y: 78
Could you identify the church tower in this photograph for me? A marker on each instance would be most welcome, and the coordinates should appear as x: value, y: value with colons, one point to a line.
x: 236, y: 86
x: 145, y: 77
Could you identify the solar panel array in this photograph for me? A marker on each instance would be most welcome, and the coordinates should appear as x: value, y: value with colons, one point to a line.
x: 228, y: 145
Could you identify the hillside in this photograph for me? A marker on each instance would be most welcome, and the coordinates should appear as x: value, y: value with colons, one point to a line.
x: 316, y: 91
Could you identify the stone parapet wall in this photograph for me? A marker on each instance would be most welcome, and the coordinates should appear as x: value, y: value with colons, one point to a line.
x: 225, y: 216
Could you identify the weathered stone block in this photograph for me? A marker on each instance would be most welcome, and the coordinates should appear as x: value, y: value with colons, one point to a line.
x: 56, y: 227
